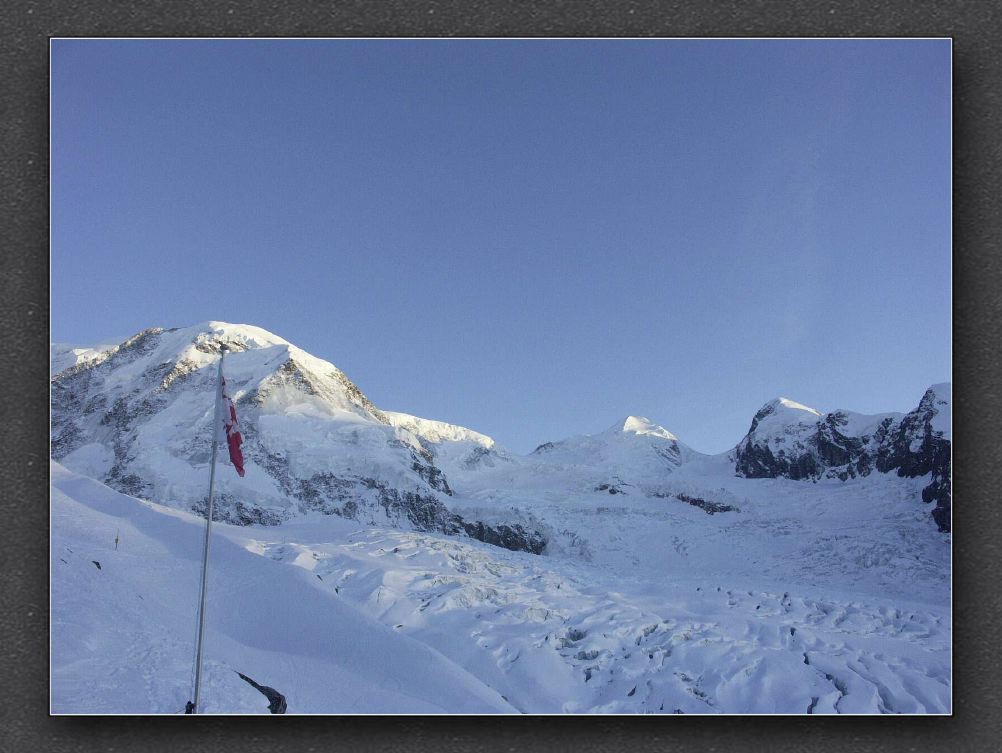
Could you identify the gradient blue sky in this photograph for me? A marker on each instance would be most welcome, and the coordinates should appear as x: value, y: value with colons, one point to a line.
x: 530, y: 238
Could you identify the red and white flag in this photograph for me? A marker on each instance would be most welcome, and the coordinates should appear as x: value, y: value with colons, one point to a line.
x: 233, y: 437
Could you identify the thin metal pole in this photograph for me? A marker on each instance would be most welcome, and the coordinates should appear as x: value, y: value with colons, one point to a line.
x: 208, y: 525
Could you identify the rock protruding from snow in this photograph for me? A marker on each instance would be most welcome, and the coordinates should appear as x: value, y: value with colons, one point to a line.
x: 790, y: 440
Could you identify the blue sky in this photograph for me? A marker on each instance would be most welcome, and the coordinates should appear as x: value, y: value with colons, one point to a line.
x: 530, y: 238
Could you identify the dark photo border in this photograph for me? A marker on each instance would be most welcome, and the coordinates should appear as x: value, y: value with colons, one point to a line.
x: 27, y: 26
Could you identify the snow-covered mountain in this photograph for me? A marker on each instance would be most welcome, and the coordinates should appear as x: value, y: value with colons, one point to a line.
x: 137, y: 416
x: 790, y: 440
x: 630, y: 451
x: 798, y: 572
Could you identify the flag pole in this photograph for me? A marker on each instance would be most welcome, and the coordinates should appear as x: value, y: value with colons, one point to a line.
x: 208, y: 525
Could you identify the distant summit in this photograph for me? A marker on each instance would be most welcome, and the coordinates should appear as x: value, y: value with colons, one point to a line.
x: 641, y: 425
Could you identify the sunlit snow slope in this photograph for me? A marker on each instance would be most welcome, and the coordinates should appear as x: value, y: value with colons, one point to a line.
x: 123, y: 621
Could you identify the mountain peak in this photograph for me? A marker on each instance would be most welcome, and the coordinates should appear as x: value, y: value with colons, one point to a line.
x: 943, y: 391
x: 781, y: 412
x: 640, y: 425
x: 937, y: 402
x: 791, y: 405
x: 244, y: 334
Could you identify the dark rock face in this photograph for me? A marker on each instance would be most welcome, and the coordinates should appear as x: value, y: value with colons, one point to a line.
x: 356, y: 394
x: 513, y: 537
x: 327, y: 493
x: 809, y: 454
x: 899, y: 451
x: 349, y: 496
x: 709, y: 506
x: 228, y: 509
x: 834, y: 448
x: 424, y: 512
x: 908, y: 446
x: 706, y: 505
x: 75, y: 392
x: 432, y: 475
x: 914, y: 449
x: 758, y: 461
x: 940, y: 491
x: 612, y: 488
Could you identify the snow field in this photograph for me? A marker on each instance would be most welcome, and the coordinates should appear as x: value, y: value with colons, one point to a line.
x: 342, y: 619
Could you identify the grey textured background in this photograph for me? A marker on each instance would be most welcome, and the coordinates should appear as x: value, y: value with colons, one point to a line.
x: 26, y: 27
